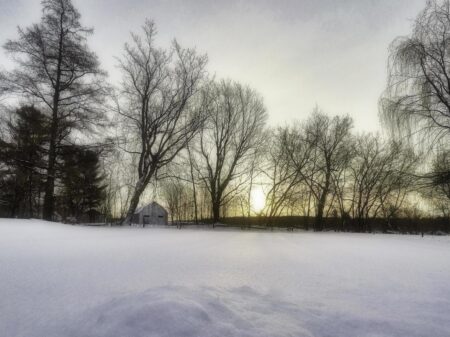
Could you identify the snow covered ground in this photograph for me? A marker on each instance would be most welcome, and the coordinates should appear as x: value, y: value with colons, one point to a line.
x: 60, y: 280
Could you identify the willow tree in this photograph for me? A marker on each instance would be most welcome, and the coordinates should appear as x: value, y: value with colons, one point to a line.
x: 155, y: 104
x: 57, y: 72
x: 417, y: 97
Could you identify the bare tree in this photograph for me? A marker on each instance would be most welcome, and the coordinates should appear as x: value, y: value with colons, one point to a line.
x: 398, y: 181
x: 435, y: 185
x: 119, y: 172
x: 175, y: 195
x: 366, y: 172
x: 57, y: 71
x: 155, y: 97
x: 382, y: 174
x: 193, y: 182
x: 416, y: 102
x: 305, y: 163
x: 287, y: 158
x: 235, y: 122
x: 332, y: 142
x: 340, y: 186
x: 417, y: 97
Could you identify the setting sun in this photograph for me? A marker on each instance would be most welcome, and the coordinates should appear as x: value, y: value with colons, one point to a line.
x: 258, y: 199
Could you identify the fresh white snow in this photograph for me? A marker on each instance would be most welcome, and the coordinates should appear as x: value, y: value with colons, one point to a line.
x: 59, y: 280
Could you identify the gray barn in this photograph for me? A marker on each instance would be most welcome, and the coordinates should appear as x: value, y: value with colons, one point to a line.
x: 151, y: 214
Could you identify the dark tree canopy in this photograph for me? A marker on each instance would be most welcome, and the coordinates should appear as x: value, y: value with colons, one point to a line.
x: 83, y: 187
x: 22, y: 155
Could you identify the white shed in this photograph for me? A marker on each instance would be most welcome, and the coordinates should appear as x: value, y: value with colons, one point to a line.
x: 151, y: 214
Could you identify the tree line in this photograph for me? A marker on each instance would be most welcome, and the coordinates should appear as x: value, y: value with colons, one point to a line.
x: 202, y: 145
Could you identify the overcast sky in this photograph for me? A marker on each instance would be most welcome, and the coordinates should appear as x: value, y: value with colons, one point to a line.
x: 295, y: 53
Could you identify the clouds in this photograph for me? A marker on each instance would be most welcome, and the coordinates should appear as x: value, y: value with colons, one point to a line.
x: 296, y: 53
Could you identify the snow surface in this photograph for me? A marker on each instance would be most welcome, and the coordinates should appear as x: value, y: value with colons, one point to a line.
x: 60, y: 280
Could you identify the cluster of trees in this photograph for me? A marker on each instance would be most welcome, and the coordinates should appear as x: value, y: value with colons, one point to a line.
x: 317, y: 168
x: 60, y: 83
x: 203, y: 145
x: 23, y: 155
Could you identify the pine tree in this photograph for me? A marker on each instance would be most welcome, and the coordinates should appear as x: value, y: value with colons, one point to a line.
x: 23, y: 155
x: 83, y: 187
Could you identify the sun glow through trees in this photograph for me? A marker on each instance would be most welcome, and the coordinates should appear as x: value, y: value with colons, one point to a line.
x: 257, y: 199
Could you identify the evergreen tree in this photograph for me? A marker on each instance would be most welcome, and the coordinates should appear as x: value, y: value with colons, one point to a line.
x: 22, y: 158
x: 83, y: 187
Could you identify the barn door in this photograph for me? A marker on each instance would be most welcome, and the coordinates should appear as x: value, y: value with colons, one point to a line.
x: 146, y: 219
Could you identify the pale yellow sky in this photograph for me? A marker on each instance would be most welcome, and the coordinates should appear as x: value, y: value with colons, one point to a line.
x: 295, y: 53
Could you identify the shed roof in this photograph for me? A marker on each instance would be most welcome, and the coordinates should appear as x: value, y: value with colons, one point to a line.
x: 139, y: 209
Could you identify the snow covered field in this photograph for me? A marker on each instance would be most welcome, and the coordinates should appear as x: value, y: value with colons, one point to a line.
x: 60, y: 280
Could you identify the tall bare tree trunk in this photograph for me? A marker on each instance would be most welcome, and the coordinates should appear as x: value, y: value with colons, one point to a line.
x: 216, y: 210
x: 321, y: 204
x: 134, y: 202
x: 49, y: 189
x: 194, y: 190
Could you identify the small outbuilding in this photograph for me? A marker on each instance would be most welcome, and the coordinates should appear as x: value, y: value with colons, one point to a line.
x: 151, y: 214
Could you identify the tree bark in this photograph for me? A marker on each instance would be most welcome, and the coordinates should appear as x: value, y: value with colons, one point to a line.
x: 48, y: 207
x: 216, y: 210
x: 319, y: 217
x: 139, y: 189
x: 321, y: 204
x: 194, y: 190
